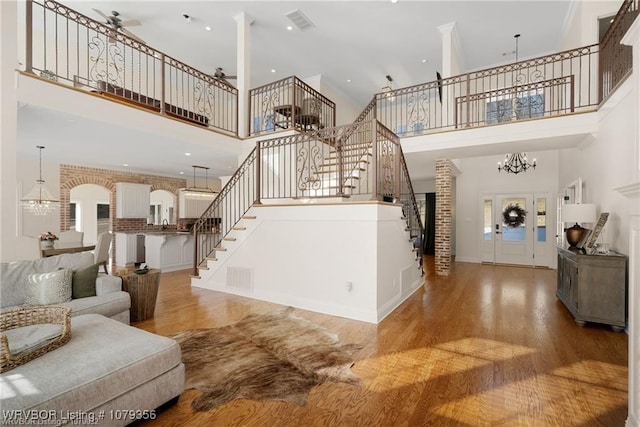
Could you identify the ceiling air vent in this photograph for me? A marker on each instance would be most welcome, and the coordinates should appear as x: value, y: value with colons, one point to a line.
x: 300, y: 20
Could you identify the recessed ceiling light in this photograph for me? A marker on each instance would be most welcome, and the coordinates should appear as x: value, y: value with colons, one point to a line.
x: 348, y: 80
x: 289, y: 28
x: 273, y: 70
x: 394, y: 1
x: 187, y: 154
x: 181, y: 173
x: 208, y: 28
x: 125, y: 164
x: 424, y: 60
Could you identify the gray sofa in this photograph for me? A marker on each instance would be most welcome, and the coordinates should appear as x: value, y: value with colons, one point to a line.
x: 110, y: 300
x: 107, y: 374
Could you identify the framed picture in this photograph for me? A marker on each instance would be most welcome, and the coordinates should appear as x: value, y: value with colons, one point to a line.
x: 590, y: 245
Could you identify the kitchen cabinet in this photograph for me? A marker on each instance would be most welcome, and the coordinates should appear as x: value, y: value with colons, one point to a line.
x: 593, y: 287
x: 192, y: 204
x: 132, y: 200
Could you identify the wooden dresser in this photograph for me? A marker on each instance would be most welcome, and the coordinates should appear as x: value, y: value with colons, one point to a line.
x: 594, y: 287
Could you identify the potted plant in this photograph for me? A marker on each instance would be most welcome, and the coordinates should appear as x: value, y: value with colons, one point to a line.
x: 47, y: 239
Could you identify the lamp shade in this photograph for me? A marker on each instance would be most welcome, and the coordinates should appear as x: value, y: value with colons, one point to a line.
x: 579, y: 213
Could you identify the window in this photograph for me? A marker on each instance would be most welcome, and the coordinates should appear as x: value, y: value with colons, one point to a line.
x: 526, y: 107
x: 488, y: 220
x: 541, y: 220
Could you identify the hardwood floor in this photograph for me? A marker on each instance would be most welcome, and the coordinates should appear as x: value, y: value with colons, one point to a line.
x: 490, y: 345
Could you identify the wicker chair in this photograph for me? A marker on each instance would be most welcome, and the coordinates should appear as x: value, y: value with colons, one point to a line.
x: 27, y: 317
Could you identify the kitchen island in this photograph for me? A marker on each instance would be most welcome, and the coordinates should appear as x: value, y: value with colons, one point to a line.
x: 169, y: 251
x: 164, y: 250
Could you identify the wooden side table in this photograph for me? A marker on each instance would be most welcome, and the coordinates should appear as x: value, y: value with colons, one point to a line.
x: 143, y: 289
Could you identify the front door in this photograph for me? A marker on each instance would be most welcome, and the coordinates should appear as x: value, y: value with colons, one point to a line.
x: 515, y: 229
x: 514, y: 241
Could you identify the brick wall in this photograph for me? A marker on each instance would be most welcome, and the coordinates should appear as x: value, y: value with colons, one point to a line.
x: 444, y: 202
x: 73, y: 176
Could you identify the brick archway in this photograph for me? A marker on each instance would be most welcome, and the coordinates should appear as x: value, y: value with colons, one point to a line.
x: 69, y: 183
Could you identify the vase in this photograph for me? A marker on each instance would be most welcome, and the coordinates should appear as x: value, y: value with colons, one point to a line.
x: 46, y: 244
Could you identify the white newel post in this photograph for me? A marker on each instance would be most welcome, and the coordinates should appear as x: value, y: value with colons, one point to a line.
x: 632, y: 192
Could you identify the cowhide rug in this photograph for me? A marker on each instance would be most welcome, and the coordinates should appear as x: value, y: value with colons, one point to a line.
x: 271, y: 356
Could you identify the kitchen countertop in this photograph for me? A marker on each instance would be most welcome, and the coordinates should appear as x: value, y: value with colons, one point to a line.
x: 157, y: 232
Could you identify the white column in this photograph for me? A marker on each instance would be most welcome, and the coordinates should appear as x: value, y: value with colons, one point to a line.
x: 451, y: 66
x: 451, y: 50
x: 8, y: 129
x: 632, y: 191
x: 243, y: 22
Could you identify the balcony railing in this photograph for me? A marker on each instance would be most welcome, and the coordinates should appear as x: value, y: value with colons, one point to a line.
x: 71, y: 48
x: 289, y: 104
x: 361, y: 161
x: 552, y: 85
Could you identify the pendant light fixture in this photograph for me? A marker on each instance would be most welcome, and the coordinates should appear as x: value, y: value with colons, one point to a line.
x: 196, y: 192
x: 516, y: 163
x: 39, y: 200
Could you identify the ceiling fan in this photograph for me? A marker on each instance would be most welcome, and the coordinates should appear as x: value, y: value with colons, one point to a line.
x: 117, y: 24
x: 220, y: 75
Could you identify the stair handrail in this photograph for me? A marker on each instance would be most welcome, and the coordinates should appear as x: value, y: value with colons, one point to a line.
x: 209, y: 219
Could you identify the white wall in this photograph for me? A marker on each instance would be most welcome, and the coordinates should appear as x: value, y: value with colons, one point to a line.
x: 479, y: 175
x: 346, y: 108
x: 582, y: 26
x: 606, y: 163
x: 320, y: 258
x: 424, y: 186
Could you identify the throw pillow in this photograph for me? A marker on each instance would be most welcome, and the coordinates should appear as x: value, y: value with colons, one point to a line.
x: 49, y: 288
x: 83, y: 283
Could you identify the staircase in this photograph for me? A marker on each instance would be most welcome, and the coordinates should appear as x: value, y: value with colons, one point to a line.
x: 361, y: 162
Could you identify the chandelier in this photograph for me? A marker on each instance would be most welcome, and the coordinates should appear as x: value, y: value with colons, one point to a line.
x: 516, y: 163
x: 39, y: 200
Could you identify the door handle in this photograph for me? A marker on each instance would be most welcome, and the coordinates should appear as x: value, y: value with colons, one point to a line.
x: 498, y: 232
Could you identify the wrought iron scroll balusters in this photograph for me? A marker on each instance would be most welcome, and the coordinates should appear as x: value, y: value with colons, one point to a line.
x: 204, y: 98
x: 107, y: 62
x: 418, y: 112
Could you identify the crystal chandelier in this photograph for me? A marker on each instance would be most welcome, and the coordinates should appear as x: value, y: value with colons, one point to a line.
x: 516, y: 163
x: 39, y: 200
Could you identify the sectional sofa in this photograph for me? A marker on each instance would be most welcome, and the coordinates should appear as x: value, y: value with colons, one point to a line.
x: 108, y: 373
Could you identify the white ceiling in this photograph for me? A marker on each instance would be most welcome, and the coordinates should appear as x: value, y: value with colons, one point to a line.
x: 361, y: 41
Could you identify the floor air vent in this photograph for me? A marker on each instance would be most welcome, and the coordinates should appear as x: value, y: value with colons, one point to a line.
x: 240, y: 278
x: 300, y: 20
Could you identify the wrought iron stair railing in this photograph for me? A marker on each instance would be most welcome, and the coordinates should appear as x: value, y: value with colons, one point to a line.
x: 366, y: 164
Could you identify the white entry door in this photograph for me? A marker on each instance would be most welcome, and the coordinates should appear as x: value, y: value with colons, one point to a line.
x: 515, y: 229
x: 514, y: 240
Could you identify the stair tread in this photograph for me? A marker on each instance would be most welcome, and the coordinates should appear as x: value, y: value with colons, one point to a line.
x: 229, y: 239
x: 344, y: 156
x: 345, y: 163
x: 220, y: 249
x: 249, y: 217
x: 239, y: 228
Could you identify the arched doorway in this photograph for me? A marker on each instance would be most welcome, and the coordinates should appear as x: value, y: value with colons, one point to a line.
x: 89, y: 211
